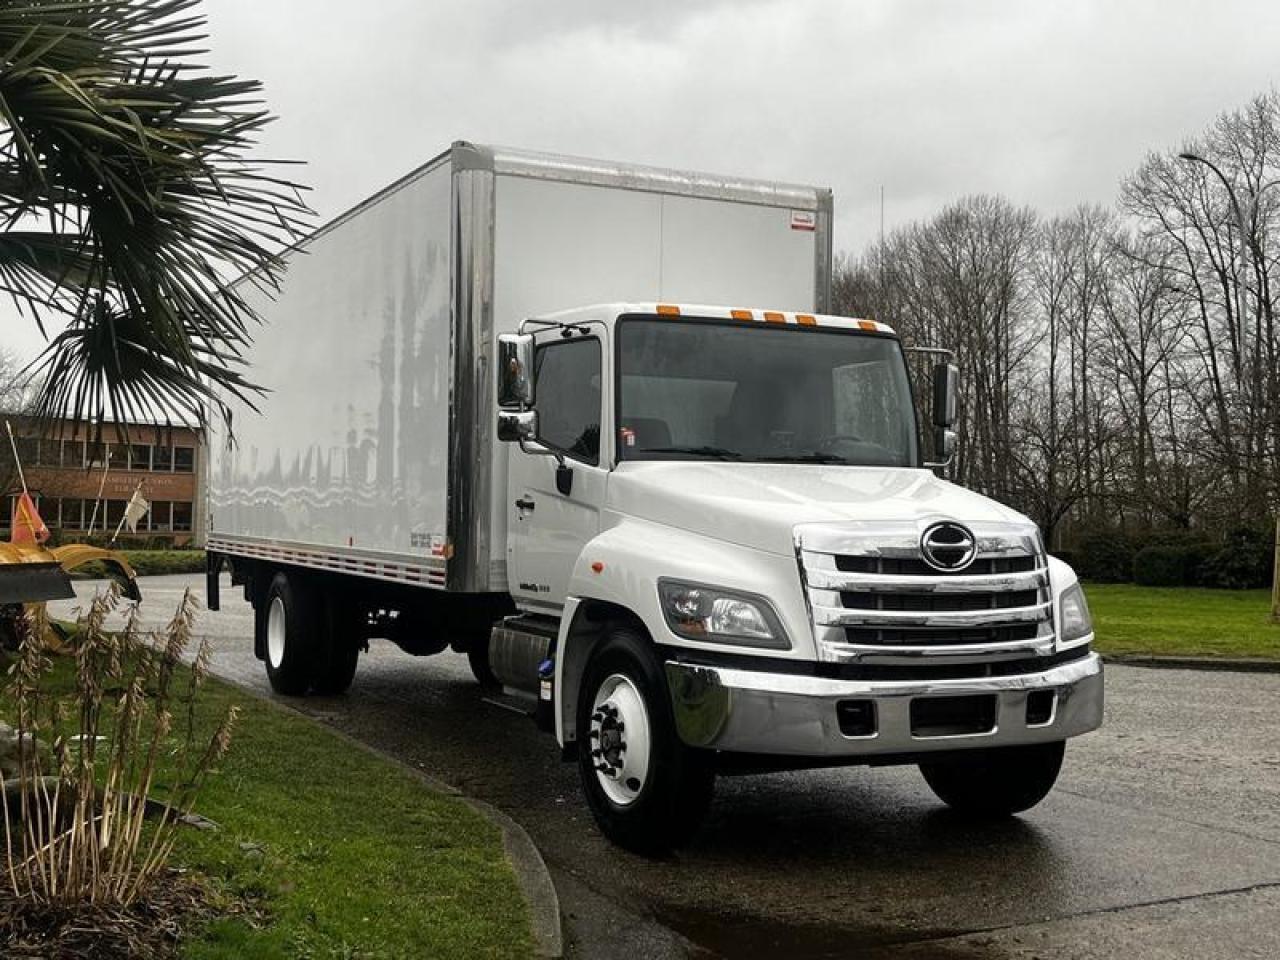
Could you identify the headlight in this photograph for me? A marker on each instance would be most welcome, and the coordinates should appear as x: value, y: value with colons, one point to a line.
x: 699, y: 612
x: 1074, y: 621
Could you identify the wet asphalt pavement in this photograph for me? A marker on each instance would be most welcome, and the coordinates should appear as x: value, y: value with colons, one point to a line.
x: 1161, y: 840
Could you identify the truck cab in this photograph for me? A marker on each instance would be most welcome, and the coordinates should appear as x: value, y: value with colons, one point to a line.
x: 728, y: 554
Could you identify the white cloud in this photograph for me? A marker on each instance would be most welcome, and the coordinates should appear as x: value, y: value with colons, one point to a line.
x: 1050, y: 104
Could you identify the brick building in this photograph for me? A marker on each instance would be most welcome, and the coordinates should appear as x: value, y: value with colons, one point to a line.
x: 65, y: 469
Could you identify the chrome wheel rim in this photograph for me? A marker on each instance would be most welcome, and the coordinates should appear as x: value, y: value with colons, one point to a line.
x: 620, y: 739
x: 275, y: 633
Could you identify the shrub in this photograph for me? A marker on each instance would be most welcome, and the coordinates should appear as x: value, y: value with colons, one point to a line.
x: 1105, y: 556
x: 74, y: 822
x: 1170, y: 564
x: 1244, y: 562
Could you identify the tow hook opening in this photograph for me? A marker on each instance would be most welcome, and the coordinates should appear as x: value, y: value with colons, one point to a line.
x: 857, y: 718
x: 1040, y: 704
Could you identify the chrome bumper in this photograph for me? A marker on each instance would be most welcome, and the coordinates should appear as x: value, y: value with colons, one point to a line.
x: 787, y: 714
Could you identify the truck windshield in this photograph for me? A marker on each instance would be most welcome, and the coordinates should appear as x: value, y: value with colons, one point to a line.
x: 707, y: 390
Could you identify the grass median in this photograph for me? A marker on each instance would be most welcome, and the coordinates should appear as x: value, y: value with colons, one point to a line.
x: 340, y: 853
x: 1183, y: 621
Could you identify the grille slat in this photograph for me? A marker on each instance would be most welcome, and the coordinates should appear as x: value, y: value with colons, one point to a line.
x: 915, y: 567
x: 921, y: 637
x: 943, y: 619
x: 932, y: 602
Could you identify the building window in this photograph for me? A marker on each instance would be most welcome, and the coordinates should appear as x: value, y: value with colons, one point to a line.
x: 28, y: 450
x: 72, y: 514
x: 73, y: 453
x: 161, y: 518
x: 113, y: 510
x: 50, y: 453
x: 182, y: 516
x: 184, y: 459
x: 162, y: 458
x: 140, y: 456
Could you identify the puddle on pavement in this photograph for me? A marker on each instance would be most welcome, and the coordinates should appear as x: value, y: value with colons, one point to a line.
x: 730, y: 937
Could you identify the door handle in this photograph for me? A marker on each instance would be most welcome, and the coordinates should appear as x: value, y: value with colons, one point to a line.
x: 525, y: 505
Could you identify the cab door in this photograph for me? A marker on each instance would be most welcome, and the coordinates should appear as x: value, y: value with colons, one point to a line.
x: 556, y: 486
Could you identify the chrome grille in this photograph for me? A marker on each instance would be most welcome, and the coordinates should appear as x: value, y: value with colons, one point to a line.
x: 874, y: 600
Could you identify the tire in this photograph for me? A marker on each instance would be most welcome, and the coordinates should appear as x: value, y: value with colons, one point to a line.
x: 655, y: 797
x: 481, y: 669
x: 289, y: 634
x: 338, y: 649
x: 995, y: 783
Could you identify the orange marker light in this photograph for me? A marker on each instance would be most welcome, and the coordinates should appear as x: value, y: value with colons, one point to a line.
x: 668, y: 310
x: 805, y: 320
x: 741, y: 314
x: 774, y: 317
x: 597, y: 567
x: 867, y: 324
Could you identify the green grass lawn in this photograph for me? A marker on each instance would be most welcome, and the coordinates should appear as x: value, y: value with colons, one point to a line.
x: 349, y: 856
x: 1182, y: 621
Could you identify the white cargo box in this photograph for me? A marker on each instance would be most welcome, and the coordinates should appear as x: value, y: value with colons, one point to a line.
x: 374, y: 451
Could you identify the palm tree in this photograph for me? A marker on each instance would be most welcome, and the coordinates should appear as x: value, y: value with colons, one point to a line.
x: 128, y: 200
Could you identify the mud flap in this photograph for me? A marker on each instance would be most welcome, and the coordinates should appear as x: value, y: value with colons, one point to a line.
x: 213, y: 566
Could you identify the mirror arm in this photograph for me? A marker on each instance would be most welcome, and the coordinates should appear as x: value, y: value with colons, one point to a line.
x: 536, y: 449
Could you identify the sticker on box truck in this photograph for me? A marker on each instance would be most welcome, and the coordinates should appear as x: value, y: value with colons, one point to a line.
x: 437, y: 544
x: 804, y: 220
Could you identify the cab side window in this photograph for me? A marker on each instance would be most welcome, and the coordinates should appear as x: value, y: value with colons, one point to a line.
x: 567, y: 384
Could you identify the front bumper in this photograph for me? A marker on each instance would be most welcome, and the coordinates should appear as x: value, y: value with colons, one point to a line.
x: 784, y: 714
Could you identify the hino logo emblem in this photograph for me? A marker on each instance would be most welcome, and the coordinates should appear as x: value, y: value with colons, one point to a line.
x: 948, y: 546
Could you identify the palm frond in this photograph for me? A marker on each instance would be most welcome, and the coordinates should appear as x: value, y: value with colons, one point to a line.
x: 138, y: 165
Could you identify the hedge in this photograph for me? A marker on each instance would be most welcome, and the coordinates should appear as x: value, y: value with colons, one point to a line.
x: 1243, y: 563
x: 150, y: 563
x: 1105, y: 557
x: 1171, y: 565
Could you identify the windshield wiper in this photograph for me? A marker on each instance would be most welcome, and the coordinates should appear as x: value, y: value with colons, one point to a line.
x: 814, y: 457
x: 718, y: 453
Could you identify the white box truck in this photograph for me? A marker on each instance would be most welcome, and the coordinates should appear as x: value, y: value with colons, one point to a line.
x: 589, y: 424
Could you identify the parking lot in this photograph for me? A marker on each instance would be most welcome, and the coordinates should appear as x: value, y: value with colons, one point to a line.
x: 1161, y: 840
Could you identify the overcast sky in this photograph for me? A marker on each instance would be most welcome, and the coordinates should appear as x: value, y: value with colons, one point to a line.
x: 1050, y: 104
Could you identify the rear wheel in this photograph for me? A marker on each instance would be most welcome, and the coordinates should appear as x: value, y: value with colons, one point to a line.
x: 481, y: 668
x: 647, y: 791
x: 995, y: 783
x: 338, y: 650
x: 287, y: 620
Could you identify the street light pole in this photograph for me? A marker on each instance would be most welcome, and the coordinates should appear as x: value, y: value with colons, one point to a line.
x: 1243, y: 252
x: 1255, y: 201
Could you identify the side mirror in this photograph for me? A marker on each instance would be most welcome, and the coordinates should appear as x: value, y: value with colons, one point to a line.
x: 946, y: 390
x: 517, y: 426
x: 945, y: 445
x: 515, y: 370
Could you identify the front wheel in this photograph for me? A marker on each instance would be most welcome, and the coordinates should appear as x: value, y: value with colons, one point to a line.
x: 647, y: 791
x: 998, y: 782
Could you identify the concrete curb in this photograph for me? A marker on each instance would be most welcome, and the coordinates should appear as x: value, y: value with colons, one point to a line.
x: 1236, y: 664
x: 534, y: 879
x: 526, y: 862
